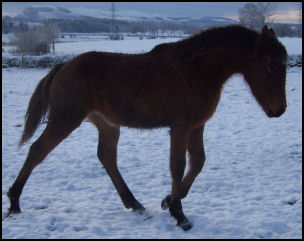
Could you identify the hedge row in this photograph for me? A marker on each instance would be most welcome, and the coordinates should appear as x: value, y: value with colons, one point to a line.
x: 25, y: 61
x: 294, y: 60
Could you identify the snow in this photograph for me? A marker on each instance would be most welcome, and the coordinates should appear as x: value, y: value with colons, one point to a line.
x: 128, y: 45
x: 292, y: 45
x: 250, y: 187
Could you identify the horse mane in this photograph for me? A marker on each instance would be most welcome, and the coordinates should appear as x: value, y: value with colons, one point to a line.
x: 228, y: 37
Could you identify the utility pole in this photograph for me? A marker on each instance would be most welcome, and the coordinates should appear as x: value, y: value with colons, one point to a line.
x: 299, y: 32
x: 300, y: 13
x: 114, y: 32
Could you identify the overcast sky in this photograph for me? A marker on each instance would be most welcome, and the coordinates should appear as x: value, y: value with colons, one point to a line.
x: 286, y: 11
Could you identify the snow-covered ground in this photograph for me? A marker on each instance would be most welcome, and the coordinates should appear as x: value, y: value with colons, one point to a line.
x: 128, y: 45
x: 83, y: 43
x: 292, y: 45
x: 250, y: 187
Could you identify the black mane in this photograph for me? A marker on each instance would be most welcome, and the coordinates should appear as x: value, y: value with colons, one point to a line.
x: 228, y: 37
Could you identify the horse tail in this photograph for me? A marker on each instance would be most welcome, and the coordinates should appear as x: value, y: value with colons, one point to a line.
x: 38, y: 105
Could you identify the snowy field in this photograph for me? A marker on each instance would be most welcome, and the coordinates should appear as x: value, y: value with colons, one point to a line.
x: 82, y: 44
x: 250, y: 187
x: 128, y: 45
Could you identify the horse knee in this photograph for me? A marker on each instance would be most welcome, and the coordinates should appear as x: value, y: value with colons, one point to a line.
x: 197, y: 163
x: 177, y: 168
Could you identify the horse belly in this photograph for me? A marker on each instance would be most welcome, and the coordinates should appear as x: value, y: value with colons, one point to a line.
x: 139, y: 118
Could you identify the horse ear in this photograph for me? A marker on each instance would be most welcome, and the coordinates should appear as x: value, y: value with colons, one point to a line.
x: 272, y: 32
x: 264, y: 40
x: 267, y: 32
x: 265, y: 29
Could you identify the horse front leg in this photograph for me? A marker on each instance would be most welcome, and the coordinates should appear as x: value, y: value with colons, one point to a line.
x: 179, y: 140
x: 197, y: 158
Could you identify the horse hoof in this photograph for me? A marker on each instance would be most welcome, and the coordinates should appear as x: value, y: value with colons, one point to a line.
x: 186, y: 225
x: 14, y: 208
x: 140, y: 210
x: 137, y: 207
x: 165, y: 203
x: 13, y: 211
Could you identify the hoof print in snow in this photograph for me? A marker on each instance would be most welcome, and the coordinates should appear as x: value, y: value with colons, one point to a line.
x: 292, y: 202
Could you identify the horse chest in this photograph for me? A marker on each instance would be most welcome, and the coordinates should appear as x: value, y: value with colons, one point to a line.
x: 203, y: 111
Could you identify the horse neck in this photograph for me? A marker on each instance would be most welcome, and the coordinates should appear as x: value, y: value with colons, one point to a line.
x: 233, y: 40
x: 218, y: 60
x: 211, y: 70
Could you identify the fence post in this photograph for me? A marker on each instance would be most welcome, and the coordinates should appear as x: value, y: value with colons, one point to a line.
x: 21, y: 63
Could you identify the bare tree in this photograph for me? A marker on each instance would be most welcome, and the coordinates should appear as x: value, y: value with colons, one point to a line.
x: 266, y: 11
x: 51, y: 33
x: 248, y: 15
x: 255, y: 16
x: 36, y: 40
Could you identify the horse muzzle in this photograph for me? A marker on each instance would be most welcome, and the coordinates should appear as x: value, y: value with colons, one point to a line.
x: 278, y: 113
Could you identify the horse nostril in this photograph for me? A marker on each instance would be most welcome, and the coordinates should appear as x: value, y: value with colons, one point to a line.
x: 277, y: 114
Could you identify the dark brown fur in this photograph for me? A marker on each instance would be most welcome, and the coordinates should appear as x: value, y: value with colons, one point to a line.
x: 176, y: 85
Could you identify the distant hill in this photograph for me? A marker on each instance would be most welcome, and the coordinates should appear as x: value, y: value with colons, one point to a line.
x: 41, y: 13
x: 87, y: 20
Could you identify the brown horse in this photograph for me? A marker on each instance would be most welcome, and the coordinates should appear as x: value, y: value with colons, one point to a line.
x: 176, y: 85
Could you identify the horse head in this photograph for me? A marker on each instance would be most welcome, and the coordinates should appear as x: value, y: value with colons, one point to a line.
x: 265, y: 72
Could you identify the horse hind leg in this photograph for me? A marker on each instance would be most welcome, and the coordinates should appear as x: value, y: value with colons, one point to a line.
x: 57, y: 129
x: 107, y: 154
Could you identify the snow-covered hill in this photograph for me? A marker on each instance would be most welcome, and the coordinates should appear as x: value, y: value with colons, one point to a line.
x: 39, y: 13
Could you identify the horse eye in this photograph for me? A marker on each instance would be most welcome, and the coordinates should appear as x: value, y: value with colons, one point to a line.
x: 273, y: 67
